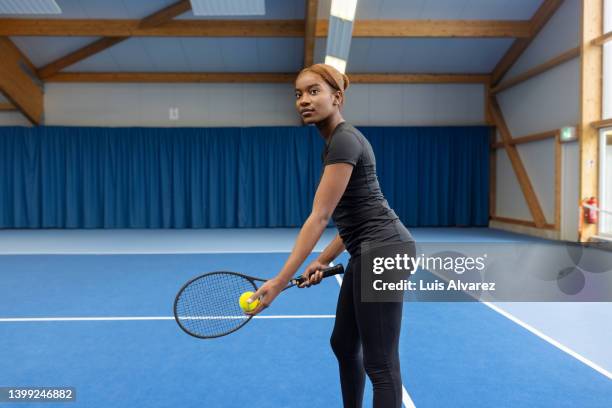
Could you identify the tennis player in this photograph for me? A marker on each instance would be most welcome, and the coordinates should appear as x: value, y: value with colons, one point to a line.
x: 366, y: 335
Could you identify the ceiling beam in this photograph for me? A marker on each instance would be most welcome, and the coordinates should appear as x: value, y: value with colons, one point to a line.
x: 240, y: 77
x: 4, y: 106
x: 78, y: 55
x: 600, y: 124
x: 106, y: 42
x: 591, y: 75
x: 537, y: 70
x: 551, y: 134
x: 21, y: 56
x: 525, y: 223
x: 517, y: 164
x: 261, y: 28
x: 602, y: 39
x: 419, y: 78
x: 309, y: 31
x: 17, y: 85
x: 131, y: 28
x: 171, y: 77
x: 538, y: 21
x: 434, y: 28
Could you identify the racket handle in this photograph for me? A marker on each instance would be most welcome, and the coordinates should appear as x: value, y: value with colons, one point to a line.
x: 327, y: 272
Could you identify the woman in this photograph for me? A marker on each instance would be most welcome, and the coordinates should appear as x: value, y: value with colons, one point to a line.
x: 366, y: 335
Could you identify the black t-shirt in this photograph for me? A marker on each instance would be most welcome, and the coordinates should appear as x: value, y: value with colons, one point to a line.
x: 363, y: 214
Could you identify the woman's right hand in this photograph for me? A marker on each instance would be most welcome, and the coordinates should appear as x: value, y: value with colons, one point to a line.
x: 313, y: 274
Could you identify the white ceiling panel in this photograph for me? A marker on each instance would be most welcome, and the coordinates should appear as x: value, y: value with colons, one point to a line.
x: 43, y: 50
x: 102, y: 61
x: 131, y: 55
x: 165, y: 54
x: 203, y: 54
x: 440, y: 9
x: 137, y: 54
x: 280, y: 54
x: 394, y: 9
x: 392, y: 55
x: 500, y: 9
x: 560, y: 34
x: 104, y: 9
x: 241, y: 56
x: 198, y: 55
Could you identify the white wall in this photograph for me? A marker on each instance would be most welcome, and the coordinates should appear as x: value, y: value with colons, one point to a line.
x: 606, y: 204
x: 13, y: 119
x: 570, y: 182
x: 607, y: 64
x: 546, y: 102
x: 561, y: 33
x: 255, y: 104
x: 607, y: 82
x: 415, y: 104
x: 606, y: 171
x: 252, y: 105
x: 148, y: 104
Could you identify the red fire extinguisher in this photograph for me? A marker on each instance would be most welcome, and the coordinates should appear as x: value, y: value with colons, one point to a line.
x: 590, y: 214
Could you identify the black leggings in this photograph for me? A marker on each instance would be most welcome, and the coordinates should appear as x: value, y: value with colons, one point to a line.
x: 365, y: 340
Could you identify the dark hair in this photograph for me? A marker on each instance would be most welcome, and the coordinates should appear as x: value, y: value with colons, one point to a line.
x: 334, y: 78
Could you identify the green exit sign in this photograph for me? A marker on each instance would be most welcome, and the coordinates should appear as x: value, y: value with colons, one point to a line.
x: 568, y: 134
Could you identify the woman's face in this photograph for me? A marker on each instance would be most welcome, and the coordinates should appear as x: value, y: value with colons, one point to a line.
x: 315, y: 100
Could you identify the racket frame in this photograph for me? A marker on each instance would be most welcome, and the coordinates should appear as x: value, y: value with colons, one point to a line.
x: 334, y: 270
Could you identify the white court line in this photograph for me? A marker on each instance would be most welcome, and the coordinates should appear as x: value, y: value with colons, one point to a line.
x: 339, y: 279
x: 406, y: 400
x: 131, y: 318
x: 151, y: 252
x: 499, y: 310
x: 538, y: 333
x: 156, y: 252
x: 549, y: 339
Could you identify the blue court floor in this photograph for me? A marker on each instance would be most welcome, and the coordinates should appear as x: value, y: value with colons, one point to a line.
x: 126, y: 351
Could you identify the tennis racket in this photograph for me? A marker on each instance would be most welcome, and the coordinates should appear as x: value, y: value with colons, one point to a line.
x: 207, y: 306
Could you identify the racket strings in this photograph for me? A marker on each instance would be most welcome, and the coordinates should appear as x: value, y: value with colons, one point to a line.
x: 208, y: 306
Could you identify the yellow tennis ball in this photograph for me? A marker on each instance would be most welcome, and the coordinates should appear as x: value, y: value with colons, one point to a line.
x: 248, y: 307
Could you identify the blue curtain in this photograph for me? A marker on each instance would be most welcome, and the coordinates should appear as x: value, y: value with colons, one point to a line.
x: 66, y: 177
x: 434, y: 176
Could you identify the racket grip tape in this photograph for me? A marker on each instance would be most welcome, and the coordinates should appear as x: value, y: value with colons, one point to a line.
x: 327, y: 272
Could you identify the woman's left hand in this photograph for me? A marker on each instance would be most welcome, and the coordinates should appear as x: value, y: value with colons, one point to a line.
x: 266, y: 294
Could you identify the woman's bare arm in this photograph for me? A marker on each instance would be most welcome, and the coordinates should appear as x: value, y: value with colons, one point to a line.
x: 331, y: 188
x: 334, y: 249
